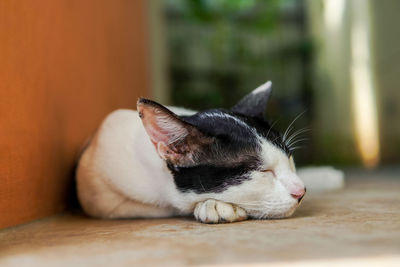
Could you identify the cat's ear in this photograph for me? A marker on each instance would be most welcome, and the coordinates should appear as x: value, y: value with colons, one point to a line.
x: 255, y: 103
x: 174, y: 139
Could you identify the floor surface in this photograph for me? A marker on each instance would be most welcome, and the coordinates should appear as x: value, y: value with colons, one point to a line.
x: 357, y: 225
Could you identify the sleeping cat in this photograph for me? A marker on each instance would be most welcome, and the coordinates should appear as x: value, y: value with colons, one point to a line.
x: 221, y: 165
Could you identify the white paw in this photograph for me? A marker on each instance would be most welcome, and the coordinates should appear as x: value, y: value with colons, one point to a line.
x: 214, y: 211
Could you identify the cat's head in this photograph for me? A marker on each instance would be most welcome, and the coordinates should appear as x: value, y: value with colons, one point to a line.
x: 230, y: 155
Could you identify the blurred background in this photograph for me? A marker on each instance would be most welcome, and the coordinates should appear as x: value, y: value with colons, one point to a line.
x: 335, y: 60
x: 66, y: 64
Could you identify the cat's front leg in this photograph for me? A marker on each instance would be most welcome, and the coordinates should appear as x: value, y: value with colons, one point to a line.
x: 214, y: 211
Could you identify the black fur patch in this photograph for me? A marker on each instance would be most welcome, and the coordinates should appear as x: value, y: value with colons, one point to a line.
x: 228, y: 129
x: 265, y: 130
x: 208, y: 178
x: 231, y: 157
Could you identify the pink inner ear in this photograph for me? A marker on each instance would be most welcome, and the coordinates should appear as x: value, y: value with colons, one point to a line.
x: 160, y: 126
x: 156, y: 133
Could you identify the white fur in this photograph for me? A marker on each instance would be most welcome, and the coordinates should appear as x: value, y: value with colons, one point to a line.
x: 120, y: 175
x: 262, y: 88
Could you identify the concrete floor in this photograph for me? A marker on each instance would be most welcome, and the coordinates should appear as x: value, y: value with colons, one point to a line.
x: 357, y: 225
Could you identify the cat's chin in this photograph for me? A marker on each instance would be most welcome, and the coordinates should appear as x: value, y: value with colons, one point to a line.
x: 273, y: 215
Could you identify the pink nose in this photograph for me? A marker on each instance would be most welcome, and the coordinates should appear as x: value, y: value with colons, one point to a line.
x: 299, y: 194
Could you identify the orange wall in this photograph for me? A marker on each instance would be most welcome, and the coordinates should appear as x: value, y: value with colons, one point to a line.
x: 64, y: 64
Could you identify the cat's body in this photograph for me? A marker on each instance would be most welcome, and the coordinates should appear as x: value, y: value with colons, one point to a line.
x: 190, y: 164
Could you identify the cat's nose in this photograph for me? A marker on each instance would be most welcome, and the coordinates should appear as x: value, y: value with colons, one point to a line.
x: 299, y: 194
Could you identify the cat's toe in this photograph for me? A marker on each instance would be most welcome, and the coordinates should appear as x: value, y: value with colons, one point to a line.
x: 241, y: 214
x: 206, y: 212
x: 213, y: 211
x: 226, y: 211
x: 230, y: 213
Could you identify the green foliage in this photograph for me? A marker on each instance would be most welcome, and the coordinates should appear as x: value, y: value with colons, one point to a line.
x: 220, y: 49
x: 260, y: 15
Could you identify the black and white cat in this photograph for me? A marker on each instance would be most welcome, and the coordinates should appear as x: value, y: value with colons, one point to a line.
x: 222, y: 165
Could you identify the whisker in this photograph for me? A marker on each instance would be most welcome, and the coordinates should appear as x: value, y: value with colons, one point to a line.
x: 272, y: 125
x: 296, y: 133
x: 266, y: 207
x: 276, y: 138
x: 288, y: 128
x: 264, y: 204
x: 253, y: 203
x: 296, y: 147
x: 296, y: 141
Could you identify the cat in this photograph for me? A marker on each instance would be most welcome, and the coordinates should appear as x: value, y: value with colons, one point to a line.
x: 221, y: 165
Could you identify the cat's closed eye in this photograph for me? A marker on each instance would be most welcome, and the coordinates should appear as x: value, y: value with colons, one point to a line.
x: 268, y: 170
